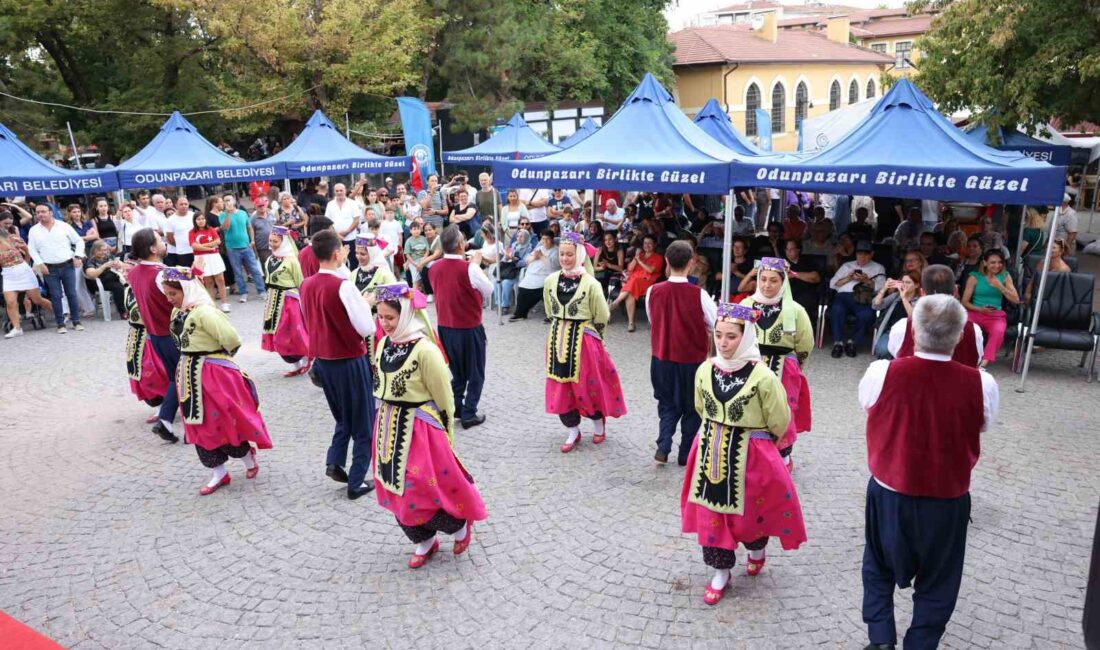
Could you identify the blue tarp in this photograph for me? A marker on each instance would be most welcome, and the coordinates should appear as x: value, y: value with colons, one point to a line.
x: 321, y: 150
x: 179, y: 155
x: 648, y: 144
x: 515, y: 141
x: 23, y: 172
x: 717, y: 124
x: 905, y: 149
x: 588, y: 128
x: 1015, y: 140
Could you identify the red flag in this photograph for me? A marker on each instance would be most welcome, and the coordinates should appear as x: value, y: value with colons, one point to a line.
x: 415, y: 180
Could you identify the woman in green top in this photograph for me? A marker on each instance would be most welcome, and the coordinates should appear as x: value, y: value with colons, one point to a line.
x: 984, y: 296
x: 1034, y: 225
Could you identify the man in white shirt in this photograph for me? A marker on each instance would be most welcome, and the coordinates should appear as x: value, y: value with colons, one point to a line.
x: 536, y: 201
x: 57, y: 251
x: 742, y: 226
x: 149, y: 212
x: 178, y: 234
x: 866, y: 274
x: 345, y: 214
x: 1067, y: 226
x: 613, y: 217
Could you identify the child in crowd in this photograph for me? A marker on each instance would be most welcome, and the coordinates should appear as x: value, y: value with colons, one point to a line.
x: 416, y: 249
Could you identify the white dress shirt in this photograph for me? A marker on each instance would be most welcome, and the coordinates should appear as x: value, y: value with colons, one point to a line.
x: 343, y: 216
x: 478, y: 279
x: 897, y: 337
x: 535, y: 215
x: 55, y: 245
x: 710, y: 309
x: 355, y: 304
x: 151, y: 217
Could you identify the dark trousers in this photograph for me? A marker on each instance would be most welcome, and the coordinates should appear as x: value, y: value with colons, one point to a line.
x: 440, y: 522
x: 60, y: 276
x: 912, y: 540
x: 179, y: 259
x: 347, y: 385
x: 217, y: 457
x: 843, y: 305
x: 674, y: 390
x: 465, y: 349
x: 527, y: 299
x: 724, y: 558
x: 169, y: 355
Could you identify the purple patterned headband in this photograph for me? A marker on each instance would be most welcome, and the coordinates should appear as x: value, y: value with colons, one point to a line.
x: 388, y: 292
x: 735, y: 311
x: 572, y: 238
x: 281, y: 231
x: 179, y: 273
x: 773, y: 264
x: 366, y: 242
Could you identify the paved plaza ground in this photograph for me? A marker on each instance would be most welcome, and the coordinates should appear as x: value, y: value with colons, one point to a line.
x: 105, y: 543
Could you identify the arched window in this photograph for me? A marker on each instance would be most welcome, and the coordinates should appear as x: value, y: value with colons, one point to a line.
x: 752, y: 102
x: 779, y: 101
x: 801, y: 102
x: 870, y: 89
x: 834, y: 95
x: 853, y: 92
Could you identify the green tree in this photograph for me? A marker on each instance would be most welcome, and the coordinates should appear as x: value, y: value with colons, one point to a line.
x: 1015, y: 61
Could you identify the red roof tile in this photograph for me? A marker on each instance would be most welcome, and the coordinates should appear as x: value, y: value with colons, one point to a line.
x: 898, y: 27
x: 737, y: 44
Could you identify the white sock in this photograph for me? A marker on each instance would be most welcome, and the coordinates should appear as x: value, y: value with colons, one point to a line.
x: 720, y: 579
x: 250, y: 460
x: 599, y: 426
x: 461, y: 535
x: 167, y: 425
x: 217, y: 476
x: 303, y: 362
x: 787, y: 460
x: 574, y: 433
x: 756, y: 556
x: 423, y: 547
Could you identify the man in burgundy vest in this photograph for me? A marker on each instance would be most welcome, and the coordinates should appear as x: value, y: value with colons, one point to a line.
x: 156, y: 313
x: 925, y: 415
x: 338, y: 318
x: 937, y: 280
x: 681, y: 317
x: 460, y: 288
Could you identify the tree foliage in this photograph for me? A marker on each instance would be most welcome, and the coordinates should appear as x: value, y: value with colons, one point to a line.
x: 1015, y: 61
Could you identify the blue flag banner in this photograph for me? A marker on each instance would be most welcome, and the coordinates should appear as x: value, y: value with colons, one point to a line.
x: 764, y: 129
x: 416, y: 124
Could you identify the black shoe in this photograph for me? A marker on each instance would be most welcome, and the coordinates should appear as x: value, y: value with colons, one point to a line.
x: 336, y: 473
x: 879, y: 646
x: 682, y: 462
x: 661, y: 457
x: 474, y: 421
x: 516, y: 317
x: 838, y: 350
x: 355, y: 493
x: 164, y: 433
x: 850, y: 349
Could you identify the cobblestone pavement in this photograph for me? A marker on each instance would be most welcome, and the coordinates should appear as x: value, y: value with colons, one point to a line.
x: 104, y: 542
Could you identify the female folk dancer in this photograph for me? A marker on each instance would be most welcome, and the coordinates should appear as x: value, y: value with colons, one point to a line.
x: 419, y: 478
x: 220, y: 408
x: 284, y: 326
x: 785, y: 337
x: 736, y: 489
x: 581, y: 379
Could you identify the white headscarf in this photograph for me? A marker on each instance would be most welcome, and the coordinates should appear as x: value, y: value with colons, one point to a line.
x: 377, y: 256
x: 413, y: 322
x: 194, y: 293
x: 287, y: 248
x: 784, y: 294
x: 746, y: 351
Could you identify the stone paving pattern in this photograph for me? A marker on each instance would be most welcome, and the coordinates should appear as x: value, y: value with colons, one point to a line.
x: 105, y: 543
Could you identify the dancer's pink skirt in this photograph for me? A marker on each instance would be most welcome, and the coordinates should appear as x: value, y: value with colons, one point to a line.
x: 154, y: 378
x: 798, y: 399
x: 230, y: 409
x: 597, y: 389
x: 290, y: 339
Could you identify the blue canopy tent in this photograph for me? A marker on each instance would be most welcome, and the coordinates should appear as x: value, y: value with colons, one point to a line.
x: 179, y: 155
x: 1016, y: 140
x: 514, y: 141
x: 23, y: 172
x: 717, y: 124
x: 587, y: 128
x: 321, y: 150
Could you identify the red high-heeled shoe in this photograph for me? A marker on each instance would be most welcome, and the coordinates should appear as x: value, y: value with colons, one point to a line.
x: 712, y: 596
x: 152, y: 419
x: 206, y: 490
x: 251, y: 473
x: 754, y: 567
x: 304, y: 369
x: 417, y: 560
x: 569, y: 446
x: 461, y: 546
x: 291, y: 373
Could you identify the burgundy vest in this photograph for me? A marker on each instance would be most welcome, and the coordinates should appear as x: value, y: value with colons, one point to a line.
x: 924, y: 437
x: 309, y: 262
x: 331, y: 334
x: 966, y: 351
x: 678, y: 329
x: 457, y: 302
x: 152, y: 304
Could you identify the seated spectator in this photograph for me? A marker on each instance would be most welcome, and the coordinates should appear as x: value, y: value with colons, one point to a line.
x: 819, y: 219
x: 103, y: 266
x: 1057, y: 265
x: 541, y: 262
x: 700, y: 274
x: 861, y: 229
x: 609, y: 264
x: 931, y: 251
x: 793, y: 225
x: 1035, y: 224
x: 805, y: 279
x: 512, y: 264
x: 819, y: 243
x: 594, y: 234
x: 567, y: 223
x: 771, y: 244
x: 741, y: 267
x: 644, y: 271
x: 613, y: 218
x: 986, y: 291
x: 990, y: 237
x: 969, y: 261
x: 856, y: 284
x: 908, y: 233
x: 742, y: 227
x: 845, y: 250
x: 905, y: 290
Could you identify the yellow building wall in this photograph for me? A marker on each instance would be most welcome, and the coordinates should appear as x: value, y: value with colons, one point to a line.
x: 694, y: 86
x: 891, y: 50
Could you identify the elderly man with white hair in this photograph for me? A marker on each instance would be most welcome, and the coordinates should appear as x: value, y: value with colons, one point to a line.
x: 613, y: 216
x: 925, y: 416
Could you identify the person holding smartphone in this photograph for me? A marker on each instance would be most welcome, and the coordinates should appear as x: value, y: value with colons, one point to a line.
x: 856, y: 284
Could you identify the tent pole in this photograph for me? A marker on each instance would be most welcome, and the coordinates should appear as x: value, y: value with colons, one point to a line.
x: 1020, y: 240
x: 286, y: 184
x: 500, y: 286
x: 727, y: 245
x: 72, y: 141
x: 442, y: 171
x: 347, y: 126
x: 1039, y: 299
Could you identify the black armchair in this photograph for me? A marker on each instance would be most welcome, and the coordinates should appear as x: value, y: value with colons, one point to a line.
x: 1066, y: 318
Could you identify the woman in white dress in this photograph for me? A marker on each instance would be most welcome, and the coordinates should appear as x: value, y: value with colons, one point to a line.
x: 18, y: 276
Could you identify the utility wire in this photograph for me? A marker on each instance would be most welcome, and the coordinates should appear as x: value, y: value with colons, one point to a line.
x: 112, y: 112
